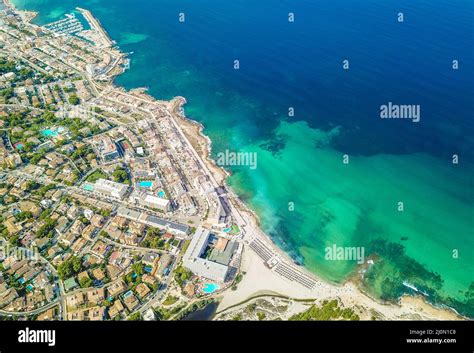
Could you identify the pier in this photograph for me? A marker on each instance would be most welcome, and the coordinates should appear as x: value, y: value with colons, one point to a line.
x: 95, y: 25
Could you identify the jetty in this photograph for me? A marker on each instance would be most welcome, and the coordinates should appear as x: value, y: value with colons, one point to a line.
x: 96, y: 26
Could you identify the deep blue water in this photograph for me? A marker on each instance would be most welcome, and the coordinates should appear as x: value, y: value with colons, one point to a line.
x: 300, y: 64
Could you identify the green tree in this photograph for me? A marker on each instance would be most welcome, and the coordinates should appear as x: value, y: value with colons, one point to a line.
x: 120, y: 175
x: 70, y: 267
x: 85, y: 282
x: 138, y: 268
x: 74, y: 99
x: 47, y: 228
x: 182, y: 275
x: 22, y: 216
x: 135, y: 317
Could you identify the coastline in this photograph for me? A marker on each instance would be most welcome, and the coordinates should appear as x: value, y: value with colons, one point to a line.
x: 259, y: 278
x: 8, y: 4
x: 26, y: 15
x: 257, y: 273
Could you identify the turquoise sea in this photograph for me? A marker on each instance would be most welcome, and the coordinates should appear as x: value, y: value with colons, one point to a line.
x: 430, y: 244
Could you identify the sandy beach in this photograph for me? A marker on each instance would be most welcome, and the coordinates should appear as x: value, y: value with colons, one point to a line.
x: 259, y: 280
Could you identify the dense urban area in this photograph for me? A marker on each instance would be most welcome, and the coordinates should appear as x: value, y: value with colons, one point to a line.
x: 100, y: 191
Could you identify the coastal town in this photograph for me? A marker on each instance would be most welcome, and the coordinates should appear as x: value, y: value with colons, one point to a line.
x: 111, y: 208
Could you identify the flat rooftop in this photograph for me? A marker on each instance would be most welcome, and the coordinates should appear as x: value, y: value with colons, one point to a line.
x: 151, y: 220
x: 200, y: 266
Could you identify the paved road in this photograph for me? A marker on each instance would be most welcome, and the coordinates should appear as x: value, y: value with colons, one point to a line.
x: 156, y: 297
x: 31, y: 312
x: 136, y: 248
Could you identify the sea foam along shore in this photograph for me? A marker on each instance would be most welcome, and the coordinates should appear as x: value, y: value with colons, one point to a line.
x: 259, y: 279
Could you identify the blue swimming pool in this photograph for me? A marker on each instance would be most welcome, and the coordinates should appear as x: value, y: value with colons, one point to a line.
x: 161, y: 194
x: 145, y: 184
x: 210, y: 288
x: 49, y: 133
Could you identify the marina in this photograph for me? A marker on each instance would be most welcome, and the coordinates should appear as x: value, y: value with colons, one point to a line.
x: 68, y: 25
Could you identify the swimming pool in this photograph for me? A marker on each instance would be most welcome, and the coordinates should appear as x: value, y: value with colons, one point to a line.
x: 49, y: 133
x: 88, y: 187
x: 145, y: 184
x: 210, y: 288
x: 161, y: 194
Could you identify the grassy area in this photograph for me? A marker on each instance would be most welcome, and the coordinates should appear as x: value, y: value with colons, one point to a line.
x: 234, y: 229
x: 164, y: 314
x: 98, y: 174
x: 185, y: 246
x: 170, y: 300
x: 329, y: 310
